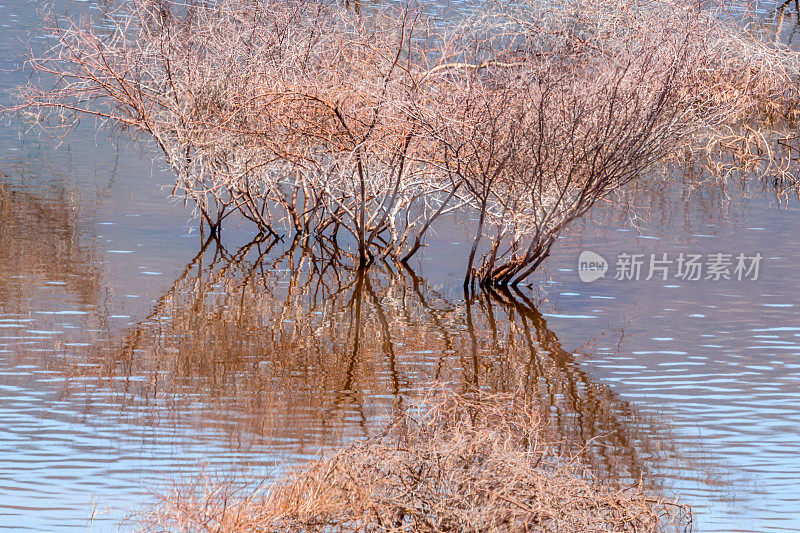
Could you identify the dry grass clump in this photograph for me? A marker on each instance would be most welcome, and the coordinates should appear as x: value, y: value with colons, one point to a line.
x: 453, y: 462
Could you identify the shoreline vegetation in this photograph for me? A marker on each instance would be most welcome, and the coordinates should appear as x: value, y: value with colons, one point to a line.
x: 358, y: 131
x: 449, y: 462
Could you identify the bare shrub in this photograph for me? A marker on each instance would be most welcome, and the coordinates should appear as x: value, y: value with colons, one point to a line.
x: 370, y: 126
x: 454, y: 462
x: 279, y: 111
x: 581, y: 103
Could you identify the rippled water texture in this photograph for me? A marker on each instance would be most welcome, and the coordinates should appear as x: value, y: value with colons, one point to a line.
x: 131, y: 355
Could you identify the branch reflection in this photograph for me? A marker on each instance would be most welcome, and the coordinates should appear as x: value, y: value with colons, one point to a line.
x: 283, y: 348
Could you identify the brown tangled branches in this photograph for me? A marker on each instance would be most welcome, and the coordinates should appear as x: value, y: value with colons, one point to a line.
x: 365, y: 129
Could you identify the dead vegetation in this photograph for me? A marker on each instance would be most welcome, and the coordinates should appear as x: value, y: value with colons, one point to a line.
x: 365, y: 128
x: 452, y: 462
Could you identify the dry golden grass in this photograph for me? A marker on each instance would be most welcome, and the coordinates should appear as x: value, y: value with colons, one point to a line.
x: 452, y: 462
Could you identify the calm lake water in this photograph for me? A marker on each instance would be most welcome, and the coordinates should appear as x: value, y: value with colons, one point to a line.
x: 130, y: 355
